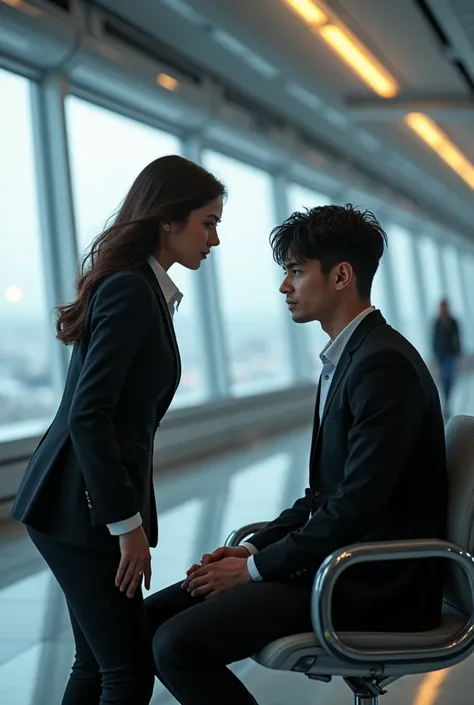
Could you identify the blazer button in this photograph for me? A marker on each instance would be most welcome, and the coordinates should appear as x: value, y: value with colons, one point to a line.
x: 298, y: 572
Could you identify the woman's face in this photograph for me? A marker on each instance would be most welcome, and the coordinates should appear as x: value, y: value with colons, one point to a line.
x: 189, y: 243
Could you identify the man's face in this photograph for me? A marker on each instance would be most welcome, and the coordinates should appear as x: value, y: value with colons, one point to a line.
x: 309, y: 293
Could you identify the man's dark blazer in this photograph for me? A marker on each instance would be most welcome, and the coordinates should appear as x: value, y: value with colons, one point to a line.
x: 377, y: 472
x: 94, y: 466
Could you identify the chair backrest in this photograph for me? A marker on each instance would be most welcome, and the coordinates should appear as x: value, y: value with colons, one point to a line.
x: 460, y: 466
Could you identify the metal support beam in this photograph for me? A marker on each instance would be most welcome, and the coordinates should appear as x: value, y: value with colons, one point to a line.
x: 297, y: 336
x: 414, y: 229
x: 213, y: 338
x: 55, y: 201
x: 450, y: 18
x: 442, y: 266
x: 451, y: 108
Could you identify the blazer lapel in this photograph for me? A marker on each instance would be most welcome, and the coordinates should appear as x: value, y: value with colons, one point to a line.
x: 150, y: 275
x: 339, y: 374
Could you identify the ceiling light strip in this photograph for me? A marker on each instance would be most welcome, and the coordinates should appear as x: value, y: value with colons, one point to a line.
x: 347, y: 46
x: 308, y: 11
x: 435, y: 138
x: 360, y: 60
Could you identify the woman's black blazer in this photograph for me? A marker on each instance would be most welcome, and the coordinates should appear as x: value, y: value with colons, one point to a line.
x: 94, y: 465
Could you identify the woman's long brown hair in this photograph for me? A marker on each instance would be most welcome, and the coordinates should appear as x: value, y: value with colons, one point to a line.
x: 168, y: 189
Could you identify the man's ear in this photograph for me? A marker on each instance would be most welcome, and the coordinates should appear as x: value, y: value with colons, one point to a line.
x: 344, y: 275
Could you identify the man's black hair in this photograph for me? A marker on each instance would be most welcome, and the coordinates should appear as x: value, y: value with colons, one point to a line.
x: 333, y: 234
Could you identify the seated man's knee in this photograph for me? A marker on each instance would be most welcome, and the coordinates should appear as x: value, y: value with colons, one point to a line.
x: 170, y: 646
x: 159, y: 609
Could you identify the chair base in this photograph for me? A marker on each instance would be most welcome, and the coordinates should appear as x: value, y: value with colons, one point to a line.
x: 366, y: 691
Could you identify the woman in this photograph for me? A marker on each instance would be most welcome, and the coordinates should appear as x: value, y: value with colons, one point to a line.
x: 87, y: 494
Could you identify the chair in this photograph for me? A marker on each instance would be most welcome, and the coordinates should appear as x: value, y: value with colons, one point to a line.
x: 369, y: 662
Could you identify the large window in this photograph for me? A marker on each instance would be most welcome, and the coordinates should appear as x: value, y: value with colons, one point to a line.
x: 267, y: 478
x: 192, y: 388
x: 107, y: 152
x: 453, y: 278
x: 455, y: 294
x: 431, y: 274
x: 378, y: 295
x: 26, y: 335
x: 432, y: 281
x: 407, y: 283
x: 467, y: 339
x: 249, y: 279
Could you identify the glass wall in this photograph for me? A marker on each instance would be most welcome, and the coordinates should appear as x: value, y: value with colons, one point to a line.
x: 379, y: 295
x: 252, y: 306
x: 411, y: 315
x: 192, y: 388
x: 432, y: 278
x: 455, y: 292
x: 108, y: 151
x: 26, y: 330
x: 451, y: 263
x: 468, y: 272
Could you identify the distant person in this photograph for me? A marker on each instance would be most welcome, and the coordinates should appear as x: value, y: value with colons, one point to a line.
x: 378, y: 450
x: 447, y: 348
x: 87, y: 494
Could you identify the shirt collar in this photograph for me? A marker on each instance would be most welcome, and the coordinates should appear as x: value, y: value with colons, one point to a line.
x: 170, y: 291
x: 334, y: 349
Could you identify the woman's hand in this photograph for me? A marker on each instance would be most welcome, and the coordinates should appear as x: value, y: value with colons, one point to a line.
x: 135, y: 561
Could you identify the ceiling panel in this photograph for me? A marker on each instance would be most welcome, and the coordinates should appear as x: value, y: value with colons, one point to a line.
x: 307, y: 85
x: 409, y: 44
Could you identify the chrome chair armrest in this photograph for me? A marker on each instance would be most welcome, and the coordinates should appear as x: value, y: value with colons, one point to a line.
x: 245, y: 532
x: 332, y: 568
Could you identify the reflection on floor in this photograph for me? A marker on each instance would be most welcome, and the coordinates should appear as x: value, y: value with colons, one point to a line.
x: 198, y: 508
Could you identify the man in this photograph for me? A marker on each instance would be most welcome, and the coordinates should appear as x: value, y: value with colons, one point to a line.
x: 447, y: 348
x: 377, y: 472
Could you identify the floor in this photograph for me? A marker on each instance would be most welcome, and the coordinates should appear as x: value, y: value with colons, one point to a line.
x: 198, y: 507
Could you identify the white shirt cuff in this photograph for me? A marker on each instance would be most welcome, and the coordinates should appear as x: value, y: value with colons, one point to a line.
x: 252, y: 569
x: 250, y: 547
x: 125, y: 526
